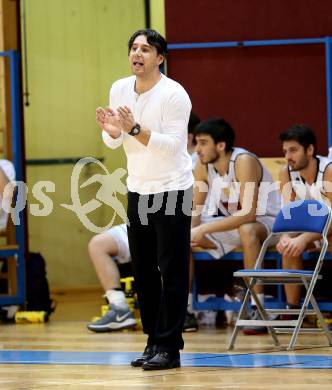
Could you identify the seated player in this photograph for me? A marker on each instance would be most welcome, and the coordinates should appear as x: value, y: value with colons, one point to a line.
x: 102, y: 249
x: 305, y: 176
x: 242, y: 200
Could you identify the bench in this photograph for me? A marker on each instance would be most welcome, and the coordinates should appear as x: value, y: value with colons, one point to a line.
x: 8, y: 281
x: 277, y: 302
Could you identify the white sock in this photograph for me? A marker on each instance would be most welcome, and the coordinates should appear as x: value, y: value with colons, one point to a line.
x: 117, y: 297
x: 260, y: 297
x: 190, y: 303
x: 204, y: 297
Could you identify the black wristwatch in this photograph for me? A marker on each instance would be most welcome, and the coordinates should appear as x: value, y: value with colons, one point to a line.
x: 135, y: 130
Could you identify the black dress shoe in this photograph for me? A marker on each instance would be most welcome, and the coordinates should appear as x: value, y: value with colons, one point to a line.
x: 163, y: 361
x: 149, y: 352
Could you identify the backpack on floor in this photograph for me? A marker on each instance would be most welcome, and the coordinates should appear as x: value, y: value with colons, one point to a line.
x: 37, y: 288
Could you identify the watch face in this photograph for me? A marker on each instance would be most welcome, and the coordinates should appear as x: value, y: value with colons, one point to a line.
x: 135, y: 130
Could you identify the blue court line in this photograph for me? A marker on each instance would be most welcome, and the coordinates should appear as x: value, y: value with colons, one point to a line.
x: 187, y: 359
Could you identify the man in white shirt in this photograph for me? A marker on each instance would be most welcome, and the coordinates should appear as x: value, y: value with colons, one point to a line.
x: 149, y: 115
x: 110, y: 249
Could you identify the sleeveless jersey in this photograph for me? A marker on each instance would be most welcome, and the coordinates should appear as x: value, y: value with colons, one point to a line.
x: 225, y: 190
x: 304, y: 190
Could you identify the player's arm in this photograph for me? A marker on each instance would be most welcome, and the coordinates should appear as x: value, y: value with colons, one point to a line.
x: 286, y: 189
x: 200, y: 192
x: 327, y: 179
x: 248, y: 173
x: 288, y: 245
x: 287, y: 195
x: 198, y: 238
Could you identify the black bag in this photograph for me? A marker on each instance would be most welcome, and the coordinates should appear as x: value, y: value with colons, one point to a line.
x: 37, y: 288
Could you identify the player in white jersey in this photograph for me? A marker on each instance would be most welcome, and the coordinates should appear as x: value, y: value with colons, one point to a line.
x: 305, y: 176
x: 243, y: 201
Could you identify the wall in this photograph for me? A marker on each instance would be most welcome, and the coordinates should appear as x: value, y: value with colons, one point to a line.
x: 9, y: 40
x: 157, y: 15
x: 75, y: 50
x: 260, y: 90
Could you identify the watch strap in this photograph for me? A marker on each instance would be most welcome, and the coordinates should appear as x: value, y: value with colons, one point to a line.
x: 135, y: 130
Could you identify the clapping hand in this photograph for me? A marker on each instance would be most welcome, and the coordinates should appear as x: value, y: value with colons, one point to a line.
x: 126, y: 118
x: 109, y: 121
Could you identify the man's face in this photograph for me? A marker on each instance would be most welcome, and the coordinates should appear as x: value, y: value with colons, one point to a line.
x: 208, y: 152
x: 144, y: 58
x: 296, y: 157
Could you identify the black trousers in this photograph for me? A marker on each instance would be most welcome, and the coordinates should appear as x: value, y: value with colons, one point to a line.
x: 159, y: 242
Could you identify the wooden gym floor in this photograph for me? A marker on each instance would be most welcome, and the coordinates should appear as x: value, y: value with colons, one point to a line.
x: 63, y: 354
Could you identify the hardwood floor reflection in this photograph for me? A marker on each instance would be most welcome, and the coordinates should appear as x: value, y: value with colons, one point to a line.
x: 67, y: 332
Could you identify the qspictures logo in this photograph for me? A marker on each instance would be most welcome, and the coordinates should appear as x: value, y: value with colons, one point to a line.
x: 113, y: 182
x: 112, y: 185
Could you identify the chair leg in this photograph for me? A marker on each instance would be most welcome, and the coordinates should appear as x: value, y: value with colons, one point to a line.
x: 320, y: 317
x: 236, y: 327
x: 302, y: 313
x: 263, y: 314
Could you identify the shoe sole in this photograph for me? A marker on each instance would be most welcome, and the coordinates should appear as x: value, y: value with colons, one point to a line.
x: 190, y: 330
x: 139, y: 364
x: 136, y: 364
x: 147, y: 367
x: 127, y: 324
x: 252, y: 332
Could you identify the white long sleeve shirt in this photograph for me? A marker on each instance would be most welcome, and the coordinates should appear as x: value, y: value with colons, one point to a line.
x: 164, y: 164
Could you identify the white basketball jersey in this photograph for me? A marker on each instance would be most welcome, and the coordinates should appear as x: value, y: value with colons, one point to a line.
x: 304, y: 190
x: 225, y: 190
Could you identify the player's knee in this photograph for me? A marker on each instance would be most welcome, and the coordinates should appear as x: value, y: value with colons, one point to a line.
x: 95, y: 244
x: 248, y: 234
